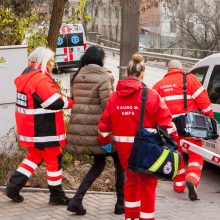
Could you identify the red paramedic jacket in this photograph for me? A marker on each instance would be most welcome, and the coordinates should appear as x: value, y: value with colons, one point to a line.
x: 39, y: 118
x: 121, y: 116
x: 170, y: 89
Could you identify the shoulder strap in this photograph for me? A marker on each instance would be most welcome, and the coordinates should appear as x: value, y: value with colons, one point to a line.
x: 185, y: 90
x: 143, y: 99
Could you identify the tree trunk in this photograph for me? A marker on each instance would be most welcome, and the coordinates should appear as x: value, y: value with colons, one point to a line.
x: 129, y: 32
x: 55, y: 22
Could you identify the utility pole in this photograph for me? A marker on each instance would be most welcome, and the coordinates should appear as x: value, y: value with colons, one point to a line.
x: 130, y: 18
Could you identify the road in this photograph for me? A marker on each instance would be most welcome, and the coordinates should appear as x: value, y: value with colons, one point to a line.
x: 152, y: 74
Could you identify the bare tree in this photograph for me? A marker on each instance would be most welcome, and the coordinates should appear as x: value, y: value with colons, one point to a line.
x: 129, y: 31
x: 55, y: 22
x: 199, y: 25
x: 22, y: 8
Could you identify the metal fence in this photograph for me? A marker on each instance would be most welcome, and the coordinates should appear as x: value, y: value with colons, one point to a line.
x: 152, y: 55
x: 194, y: 53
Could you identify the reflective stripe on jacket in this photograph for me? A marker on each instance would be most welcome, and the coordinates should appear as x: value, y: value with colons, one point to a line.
x: 39, y: 118
x: 170, y: 88
x: 121, y: 116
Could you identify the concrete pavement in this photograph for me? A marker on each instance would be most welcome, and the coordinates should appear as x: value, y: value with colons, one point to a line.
x: 169, y: 205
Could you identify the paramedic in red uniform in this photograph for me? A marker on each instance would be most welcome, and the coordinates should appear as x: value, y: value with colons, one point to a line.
x: 170, y: 89
x: 40, y: 126
x: 120, y: 121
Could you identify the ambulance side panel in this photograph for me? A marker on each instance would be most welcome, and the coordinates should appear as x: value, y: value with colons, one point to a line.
x: 208, y: 72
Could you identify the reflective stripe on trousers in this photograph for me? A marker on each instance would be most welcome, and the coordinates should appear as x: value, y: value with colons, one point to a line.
x: 132, y: 204
x: 196, y: 164
x: 196, y: 177
x: 139, y: 196
x: 183, y: 183
x: 54, y: 178
x: 145, y: 215
x: 27, y: 167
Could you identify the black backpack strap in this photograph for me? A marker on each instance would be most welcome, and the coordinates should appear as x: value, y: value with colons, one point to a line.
x: 143, y: 99
x: 185, y: 90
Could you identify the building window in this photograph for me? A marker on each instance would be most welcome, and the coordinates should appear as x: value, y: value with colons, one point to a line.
x: 172, y: 26
x: 173, y: 5
x: 191, y: 5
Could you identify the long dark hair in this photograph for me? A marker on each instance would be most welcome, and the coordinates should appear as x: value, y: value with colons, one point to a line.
x: 93, y: 55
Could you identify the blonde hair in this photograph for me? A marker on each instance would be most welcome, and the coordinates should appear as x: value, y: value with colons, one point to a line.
x: 41, y: 56
x: 136, y: 65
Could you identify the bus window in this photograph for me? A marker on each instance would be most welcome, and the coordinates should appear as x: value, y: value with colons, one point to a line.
x: 200, y: 73
x: 214, y: 85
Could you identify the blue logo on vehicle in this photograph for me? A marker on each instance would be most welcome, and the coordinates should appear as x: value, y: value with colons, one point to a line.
x: 75, y: 39
x: 59, y: 41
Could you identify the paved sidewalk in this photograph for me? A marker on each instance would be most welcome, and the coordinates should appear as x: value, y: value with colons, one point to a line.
x: 169, y: 206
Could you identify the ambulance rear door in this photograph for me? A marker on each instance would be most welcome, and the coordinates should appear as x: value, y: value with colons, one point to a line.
x: 71, y: 45
x: 62, y: 45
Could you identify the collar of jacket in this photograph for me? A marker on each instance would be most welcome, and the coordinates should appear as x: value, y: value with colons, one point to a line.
x: 93, y: 68
x: 94, y: 65
x: 38, y: 67
x: 174, y: 71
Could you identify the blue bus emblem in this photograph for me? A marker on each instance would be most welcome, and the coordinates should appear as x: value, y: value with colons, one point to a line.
x: 59, y: 41
x: 75, y: 39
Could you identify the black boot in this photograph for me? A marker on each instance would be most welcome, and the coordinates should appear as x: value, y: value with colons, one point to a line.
x: 75, y: 205
x: 119, y: 186
x: 16, y: 182
x: 57, y: 196
x: 193, y: 195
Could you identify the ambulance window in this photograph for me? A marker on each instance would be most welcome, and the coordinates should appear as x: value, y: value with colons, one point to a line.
x: 214, y: 85
x: 200, y: 73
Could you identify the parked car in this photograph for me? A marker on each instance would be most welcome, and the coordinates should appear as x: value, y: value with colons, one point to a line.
x: 208, y: 72
x: 71, y: 45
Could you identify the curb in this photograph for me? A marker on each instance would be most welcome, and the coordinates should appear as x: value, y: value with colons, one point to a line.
x: 43, y: 190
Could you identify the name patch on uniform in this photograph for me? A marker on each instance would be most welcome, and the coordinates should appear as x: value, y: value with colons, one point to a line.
x: 21, y: 99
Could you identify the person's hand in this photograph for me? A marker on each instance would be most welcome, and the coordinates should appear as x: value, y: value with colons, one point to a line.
x: 107, y: 148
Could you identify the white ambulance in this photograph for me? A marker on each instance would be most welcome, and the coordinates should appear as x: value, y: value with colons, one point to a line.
x: 208, y: 72
x: 71, y: 45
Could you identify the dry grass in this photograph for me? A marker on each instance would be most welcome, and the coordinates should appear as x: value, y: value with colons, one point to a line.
x: 9, y: 163
x: 74, y: 169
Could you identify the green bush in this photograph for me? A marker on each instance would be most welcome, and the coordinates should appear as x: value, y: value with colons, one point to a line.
x: 67, y: 159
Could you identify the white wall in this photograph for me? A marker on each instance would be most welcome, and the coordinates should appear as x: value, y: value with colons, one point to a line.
x: 13, y: 60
